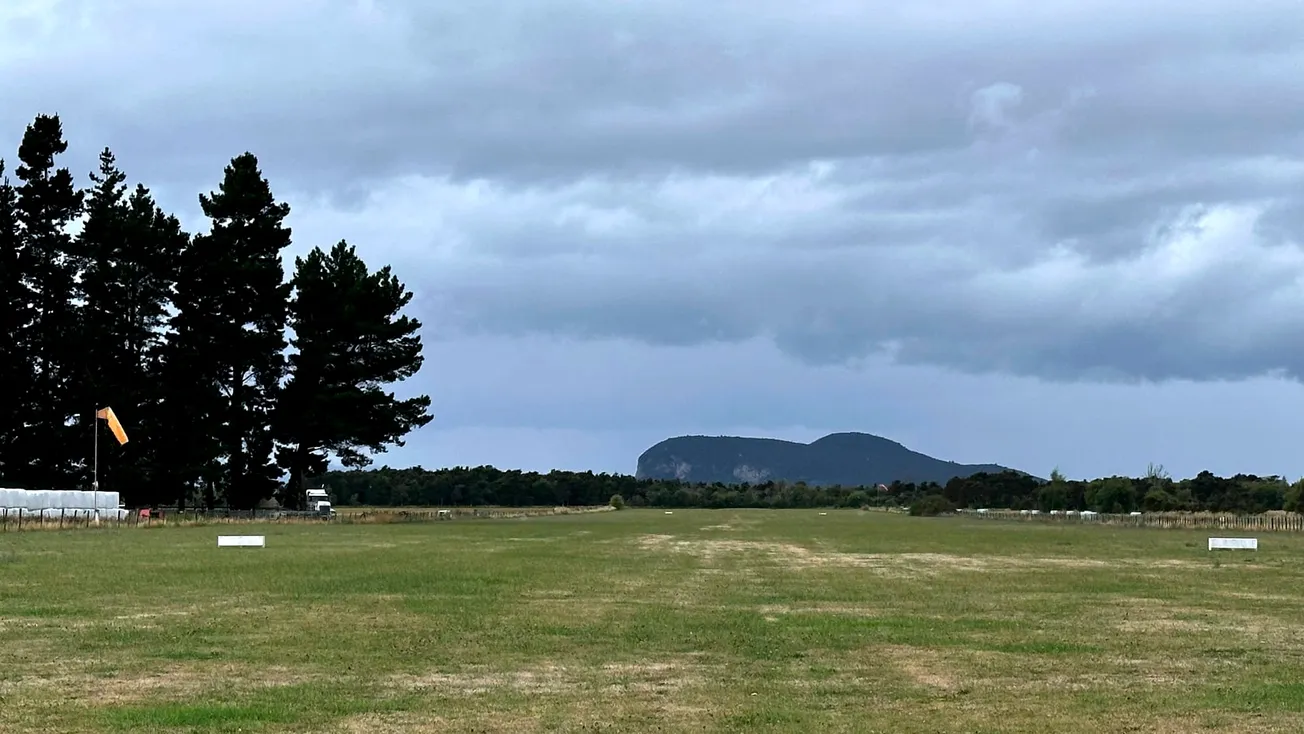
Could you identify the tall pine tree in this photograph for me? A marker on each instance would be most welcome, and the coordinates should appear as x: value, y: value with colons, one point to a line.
x: 351, y: 341
x: 47, y: 202
x: 15, y: 309
x: 101, y: 368
x: 148, y: 275
x: 232, y: 301
x: 130, y: 250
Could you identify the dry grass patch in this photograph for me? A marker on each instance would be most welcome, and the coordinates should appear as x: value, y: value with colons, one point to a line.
x: 1146, y: 615
x: 734, y: 524
x: 424, y: 723
x: 772, y: 611
x: 173, y: 682
x: 1003, y: 674
x: 1254, y: 596
x: 548, y: 594
x: 1227, y: 724
x: 659, y: 678
x: 152, y: 615
x: 9, y: 624
x: 482, y: 679
x: 1162, y: 625
x: 1106, y: 675
x: 1140, y: 615
x: 400, y: 723
x: 553, y: 679
x: 924, y: 667
x: 792, y: 555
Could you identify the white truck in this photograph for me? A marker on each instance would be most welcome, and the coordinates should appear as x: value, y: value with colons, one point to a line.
x: 319, y: 502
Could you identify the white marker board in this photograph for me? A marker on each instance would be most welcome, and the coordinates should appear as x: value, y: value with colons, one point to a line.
x: 241, y: 541
x: 1233, y: 544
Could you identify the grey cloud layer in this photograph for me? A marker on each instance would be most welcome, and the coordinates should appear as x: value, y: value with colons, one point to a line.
x: 572, y: 87
x: 970, y: 285
x: 1103, y: 190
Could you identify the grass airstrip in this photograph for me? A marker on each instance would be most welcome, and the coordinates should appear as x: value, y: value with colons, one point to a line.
x: 635, y: 621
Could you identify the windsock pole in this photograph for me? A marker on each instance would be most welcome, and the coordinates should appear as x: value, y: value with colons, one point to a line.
x: 95, y: 475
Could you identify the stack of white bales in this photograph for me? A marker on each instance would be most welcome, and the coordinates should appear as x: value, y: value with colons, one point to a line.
x: 59, y: 503
x: 10, y: 500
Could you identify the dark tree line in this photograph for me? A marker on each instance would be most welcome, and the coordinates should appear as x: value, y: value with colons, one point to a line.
x: 485, y: 485
x: 105, y: 300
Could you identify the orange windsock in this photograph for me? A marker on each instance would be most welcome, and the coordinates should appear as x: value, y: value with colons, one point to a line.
x: 108, y: 415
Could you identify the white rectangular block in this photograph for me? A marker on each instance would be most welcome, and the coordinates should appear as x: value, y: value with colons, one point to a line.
x: 1233, y: 543
x: 241, y: 541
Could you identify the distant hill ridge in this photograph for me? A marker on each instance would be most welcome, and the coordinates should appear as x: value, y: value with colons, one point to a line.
x: 848, y: 459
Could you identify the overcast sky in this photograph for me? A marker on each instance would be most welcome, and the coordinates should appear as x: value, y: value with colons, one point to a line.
x: 1057, y: 233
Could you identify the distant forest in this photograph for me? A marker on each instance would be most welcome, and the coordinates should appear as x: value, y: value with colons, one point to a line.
x: 107, y: 302
x: 485, y: 485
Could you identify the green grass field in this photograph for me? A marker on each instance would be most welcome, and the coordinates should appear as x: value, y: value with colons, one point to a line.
x: 636, y: 621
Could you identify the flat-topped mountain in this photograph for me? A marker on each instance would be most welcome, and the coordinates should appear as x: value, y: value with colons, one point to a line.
x: 848, y: 459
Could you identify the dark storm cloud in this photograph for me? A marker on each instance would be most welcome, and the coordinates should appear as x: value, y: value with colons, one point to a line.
x: 1095, y: 190
x: 566, y: 89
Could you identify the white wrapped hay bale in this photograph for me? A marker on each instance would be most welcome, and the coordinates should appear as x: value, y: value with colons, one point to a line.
x: 82, y: 500
x: 10, y: 496
x: 107, y: 501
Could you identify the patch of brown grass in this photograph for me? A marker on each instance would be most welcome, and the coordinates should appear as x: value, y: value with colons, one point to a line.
x: 658, y: 678
x: 172, y: 682
x: 421, y: 723
x: 645, y: 677
x: 886, y: 564
x: 923, y: 667
x: 771, y: 611
x: 546, y: 679
x: 1144, y: 615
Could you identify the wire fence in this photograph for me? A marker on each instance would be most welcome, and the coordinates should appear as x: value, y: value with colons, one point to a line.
x: 16, y: 520
x: 1270, y: 522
